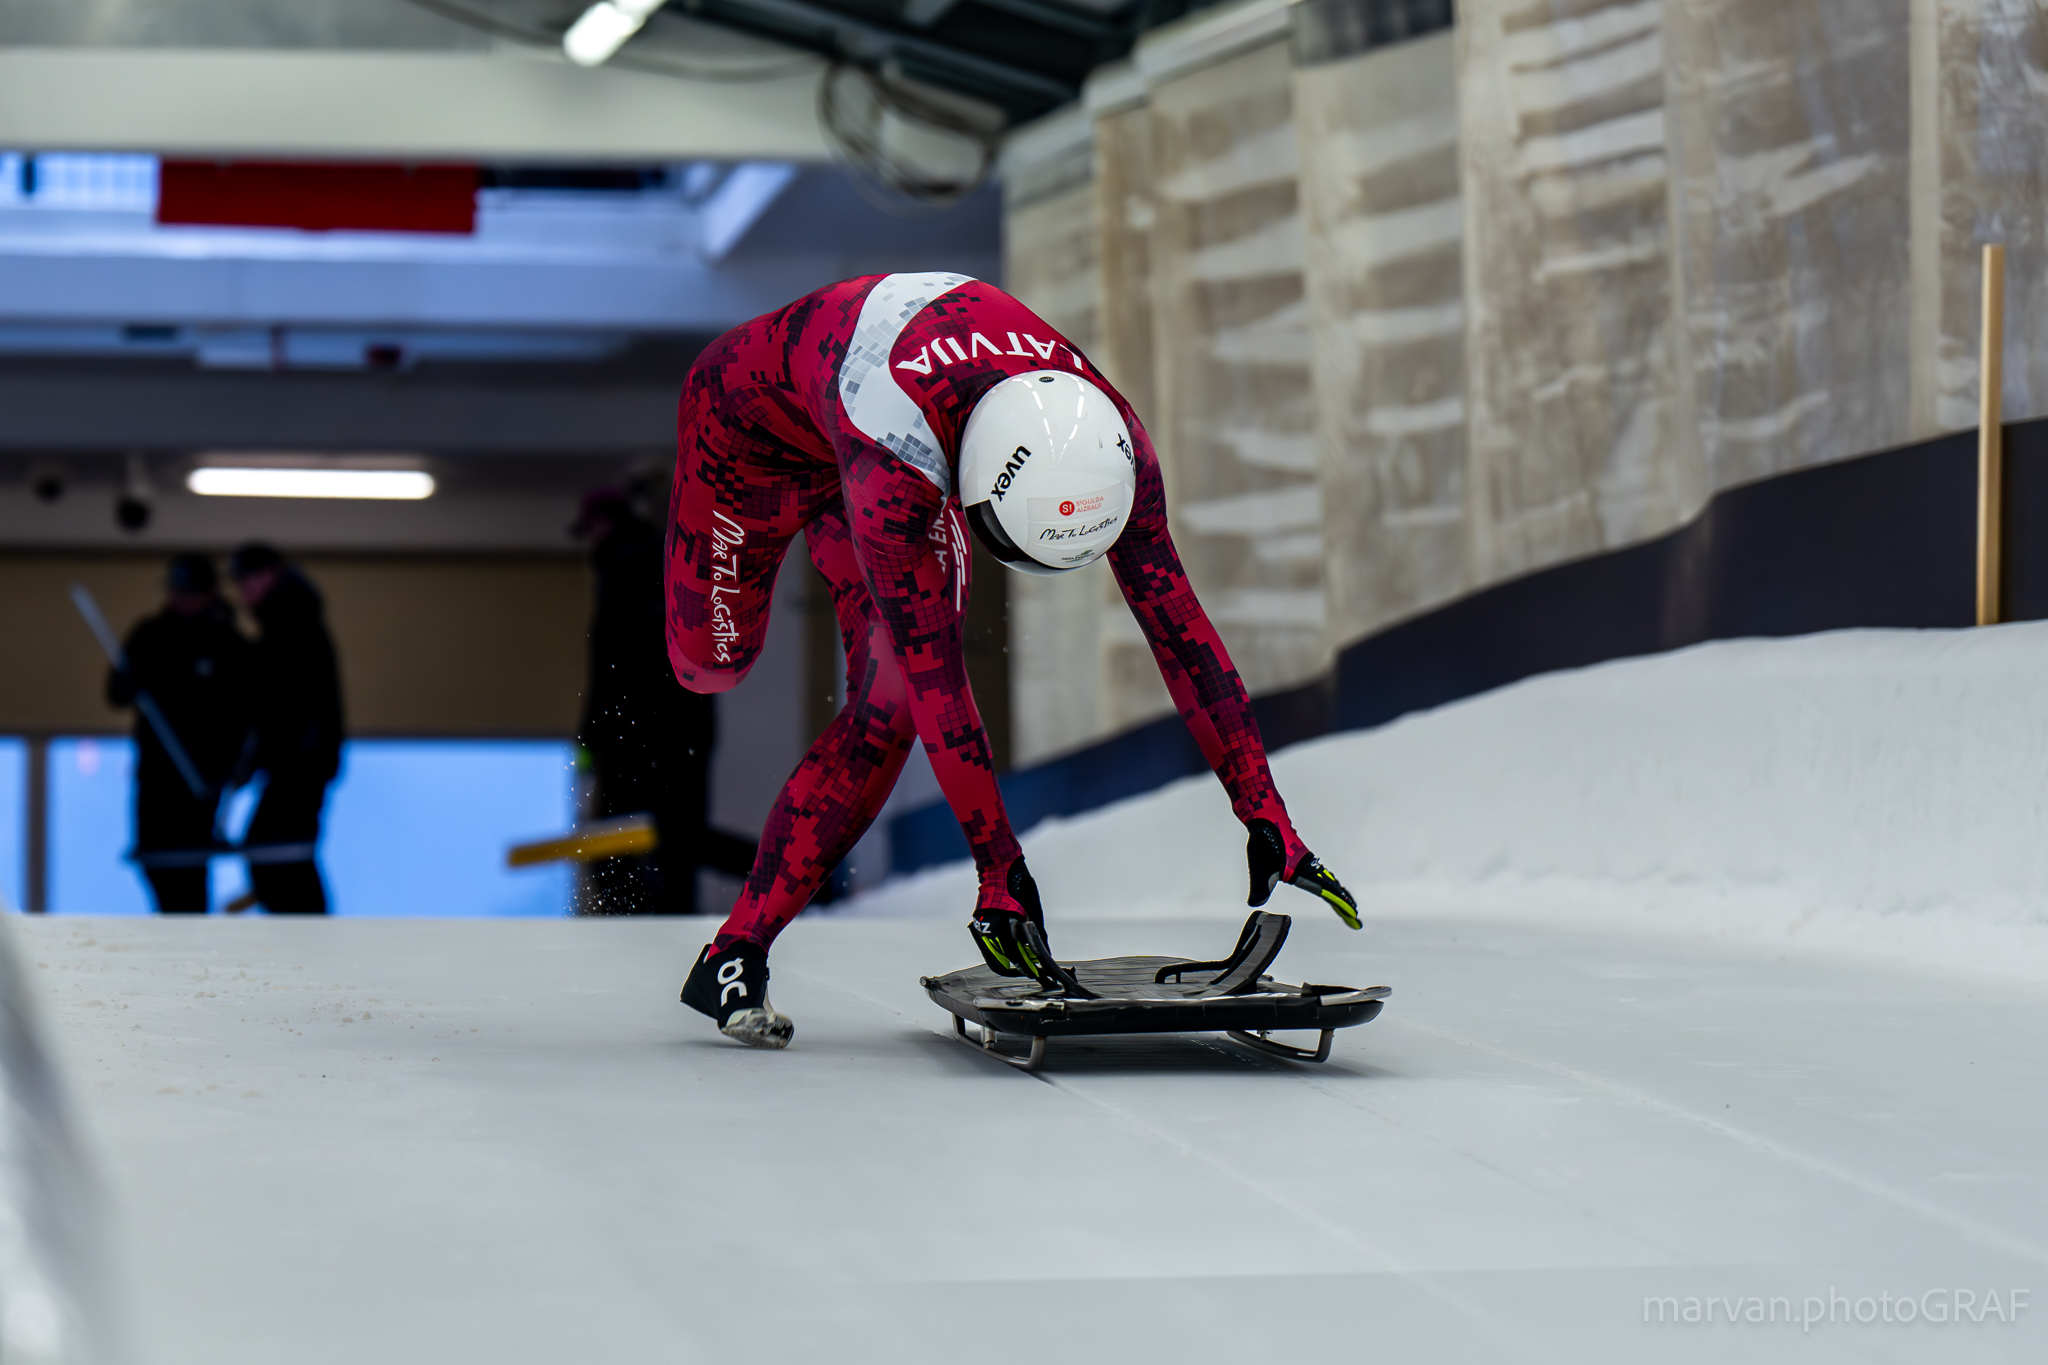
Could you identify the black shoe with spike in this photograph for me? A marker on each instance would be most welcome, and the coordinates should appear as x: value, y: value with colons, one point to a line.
x: 732, y: 987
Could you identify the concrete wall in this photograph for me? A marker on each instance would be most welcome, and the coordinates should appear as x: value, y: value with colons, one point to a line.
x: 1050, y: 260
x: 1190, y: 294
x: 1410, y: 317
x: 1385, y: 273
x: 1236, y: 420
x: 1578, y: 439
x: 1979, y: 174
x: 1789, y: 149
x: 1126, y: 214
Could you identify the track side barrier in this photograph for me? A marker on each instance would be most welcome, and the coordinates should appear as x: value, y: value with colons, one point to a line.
x: 1882, y: 540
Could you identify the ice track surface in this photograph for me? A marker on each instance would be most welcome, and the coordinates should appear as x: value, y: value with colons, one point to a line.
x: 506, y: 1142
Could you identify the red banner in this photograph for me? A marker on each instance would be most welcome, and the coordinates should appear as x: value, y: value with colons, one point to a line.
x: 318, y: 196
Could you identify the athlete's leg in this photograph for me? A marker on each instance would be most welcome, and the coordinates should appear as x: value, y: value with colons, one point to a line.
x: 911, y: 544
x: 742, y: 491
x: 835, y: 793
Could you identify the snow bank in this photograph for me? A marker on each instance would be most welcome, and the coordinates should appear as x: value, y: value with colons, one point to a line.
x: 1867, y: 791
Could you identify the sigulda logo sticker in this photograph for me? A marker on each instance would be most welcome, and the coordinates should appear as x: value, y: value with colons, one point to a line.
x: 726, y: 538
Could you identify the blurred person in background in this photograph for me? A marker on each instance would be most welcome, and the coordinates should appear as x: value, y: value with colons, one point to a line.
x: 649, y: 739
x: 296, y: 695
x: 193, y: 661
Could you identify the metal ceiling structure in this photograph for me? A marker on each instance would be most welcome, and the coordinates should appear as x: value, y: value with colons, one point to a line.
x: 958, y: 73
x: 914, y: 92
x: 1024, y: 56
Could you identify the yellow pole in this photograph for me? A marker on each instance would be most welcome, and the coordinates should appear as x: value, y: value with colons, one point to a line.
x: 1990, y: 447
x: 609, y: 839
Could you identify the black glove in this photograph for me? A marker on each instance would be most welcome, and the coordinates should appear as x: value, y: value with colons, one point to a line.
x: 1012, y: 942
x: 1266, y: 855
x: 999, y: 931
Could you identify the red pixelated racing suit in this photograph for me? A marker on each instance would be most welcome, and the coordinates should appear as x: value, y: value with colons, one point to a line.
x: 840, y: 416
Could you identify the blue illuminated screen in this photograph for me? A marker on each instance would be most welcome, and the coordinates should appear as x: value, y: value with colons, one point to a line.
x: 412, y: 828
x: 13, y: 823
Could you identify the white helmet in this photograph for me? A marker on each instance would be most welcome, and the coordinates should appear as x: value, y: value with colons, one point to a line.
x: 1047, y: 473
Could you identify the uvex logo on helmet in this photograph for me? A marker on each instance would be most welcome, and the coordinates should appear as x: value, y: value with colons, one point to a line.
x: 1046, y: 451
x: 1008, y: 475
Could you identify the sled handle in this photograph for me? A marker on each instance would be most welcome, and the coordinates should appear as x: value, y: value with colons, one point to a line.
x: 1260, y: 942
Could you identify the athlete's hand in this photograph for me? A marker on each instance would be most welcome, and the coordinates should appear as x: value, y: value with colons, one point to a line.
x: 999, y: 920
x: 1266, y: 856
x: 1005, y: 947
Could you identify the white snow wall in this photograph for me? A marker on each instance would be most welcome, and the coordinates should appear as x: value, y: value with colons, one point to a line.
x: 1875, y: 791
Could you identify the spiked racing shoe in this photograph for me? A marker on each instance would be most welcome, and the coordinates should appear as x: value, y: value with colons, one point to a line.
x: 1266, y: 853
x: 732, y: 987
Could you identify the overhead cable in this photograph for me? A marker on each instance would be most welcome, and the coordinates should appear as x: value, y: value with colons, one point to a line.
x: 855, y: 108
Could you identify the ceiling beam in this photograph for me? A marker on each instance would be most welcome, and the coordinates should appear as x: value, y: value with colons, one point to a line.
x: 509, y: 104
x: 50, y: 407
x: 856, y: 35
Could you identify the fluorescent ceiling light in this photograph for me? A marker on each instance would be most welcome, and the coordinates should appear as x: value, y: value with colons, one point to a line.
x: 401, y: 485
x: 604, y: 28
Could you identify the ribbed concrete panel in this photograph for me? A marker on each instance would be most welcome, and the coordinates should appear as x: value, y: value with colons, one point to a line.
x: 1049, y: 263
x: 1236, y: 416
x: 1980, y: 175
x: 1573, y: 337
x: 1789, y: 146
x: 1126, y: 215
x: 1427, y: 314
x: 1384, y: 229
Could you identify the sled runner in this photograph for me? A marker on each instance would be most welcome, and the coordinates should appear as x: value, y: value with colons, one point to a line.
x: 1155, y: 995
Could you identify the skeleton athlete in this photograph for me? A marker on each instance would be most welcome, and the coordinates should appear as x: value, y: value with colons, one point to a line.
x: 883, y: 417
